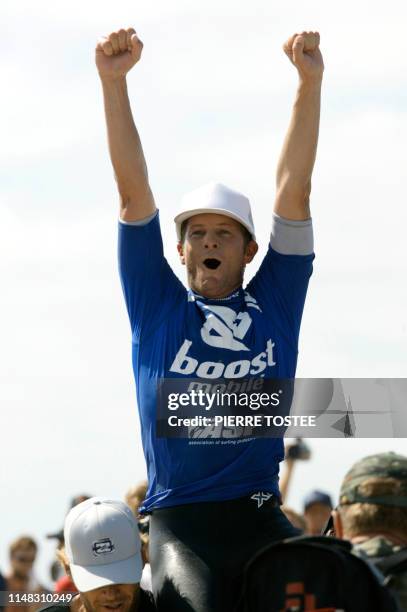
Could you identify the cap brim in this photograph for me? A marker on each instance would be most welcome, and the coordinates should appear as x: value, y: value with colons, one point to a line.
x: 95, y: 576
x: 179, y: 219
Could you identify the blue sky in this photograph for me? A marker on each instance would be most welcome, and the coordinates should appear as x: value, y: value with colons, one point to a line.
x: 212, y: 98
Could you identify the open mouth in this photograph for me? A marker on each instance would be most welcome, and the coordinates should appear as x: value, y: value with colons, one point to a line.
x: 212, y: 263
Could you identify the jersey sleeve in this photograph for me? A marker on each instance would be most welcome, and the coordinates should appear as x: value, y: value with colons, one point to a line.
x: 281, y: 283
x: 150, y: 287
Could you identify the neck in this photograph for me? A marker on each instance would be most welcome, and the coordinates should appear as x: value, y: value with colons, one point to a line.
x: 218, y: 296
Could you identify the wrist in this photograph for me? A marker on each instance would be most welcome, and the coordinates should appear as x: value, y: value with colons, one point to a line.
x: 114, y: 88
x: 312, y: 84
x: 112, y: 81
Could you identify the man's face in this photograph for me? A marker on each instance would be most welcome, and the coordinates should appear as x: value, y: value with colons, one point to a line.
x: 22, y: 561
x: 115, y: 597
x: 215, y: 254
x: 316, y: 517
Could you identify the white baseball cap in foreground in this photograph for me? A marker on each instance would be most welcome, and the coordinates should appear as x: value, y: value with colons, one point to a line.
x: 102, y: 542
x: 215, y: 198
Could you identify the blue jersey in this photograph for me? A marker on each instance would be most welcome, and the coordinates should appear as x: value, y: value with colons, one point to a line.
x: 176, y: 333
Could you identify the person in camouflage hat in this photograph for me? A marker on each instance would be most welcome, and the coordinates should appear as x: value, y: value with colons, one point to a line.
x: 372, y: 512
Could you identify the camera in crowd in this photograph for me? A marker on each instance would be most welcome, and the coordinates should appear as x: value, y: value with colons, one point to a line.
x: 299, y: 450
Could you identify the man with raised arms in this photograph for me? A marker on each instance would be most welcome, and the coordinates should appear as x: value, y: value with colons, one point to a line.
x: 212, y: 505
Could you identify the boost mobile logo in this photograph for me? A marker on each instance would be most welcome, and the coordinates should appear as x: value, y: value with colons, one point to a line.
x: 224, y: 328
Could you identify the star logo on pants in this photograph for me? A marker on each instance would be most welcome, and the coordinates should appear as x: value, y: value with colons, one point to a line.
x: 261, y: 497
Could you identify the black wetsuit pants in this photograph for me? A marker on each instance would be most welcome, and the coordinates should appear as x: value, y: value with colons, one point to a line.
x: 198, y: 551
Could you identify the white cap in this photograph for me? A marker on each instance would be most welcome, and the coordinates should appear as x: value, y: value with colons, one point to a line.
x: 102, y: 542
x: 215, y: 198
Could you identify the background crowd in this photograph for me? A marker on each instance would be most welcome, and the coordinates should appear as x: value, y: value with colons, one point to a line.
x: 371, y: 513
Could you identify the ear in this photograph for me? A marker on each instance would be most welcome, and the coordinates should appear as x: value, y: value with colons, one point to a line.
x: 180, y: 249
x: 338, y: 527
x: 251, y: 249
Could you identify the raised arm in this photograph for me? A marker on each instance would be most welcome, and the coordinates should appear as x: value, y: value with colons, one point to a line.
x: 300, y: 146
x: 116, y: 54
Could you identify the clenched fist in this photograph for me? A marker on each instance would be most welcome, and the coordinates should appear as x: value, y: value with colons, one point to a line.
x: 117, y: 53
x: 303, y: 51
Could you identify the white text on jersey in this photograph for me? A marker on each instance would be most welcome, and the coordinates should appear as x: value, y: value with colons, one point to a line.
x: 187, y: 365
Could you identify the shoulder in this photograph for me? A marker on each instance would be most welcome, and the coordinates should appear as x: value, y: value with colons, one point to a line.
x: 141, y: 233
x: 378, y: 546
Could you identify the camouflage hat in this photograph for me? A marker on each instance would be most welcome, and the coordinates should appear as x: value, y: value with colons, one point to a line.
x: 383, y: 465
